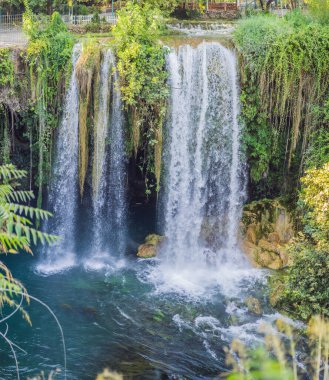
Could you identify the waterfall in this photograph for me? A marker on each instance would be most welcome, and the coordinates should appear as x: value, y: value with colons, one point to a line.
x: 109, y: 171
x: 63, y: 195
x: 117, y: 202
x: 204, y: 182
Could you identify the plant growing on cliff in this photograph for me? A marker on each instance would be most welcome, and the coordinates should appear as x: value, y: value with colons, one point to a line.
x: 6, y: 68
x: 141, y: 65
x: 48, y: 56
x: 285, y: 76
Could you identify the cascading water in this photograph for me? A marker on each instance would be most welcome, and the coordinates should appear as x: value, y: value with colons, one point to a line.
x: 116, y: 201
x: 109, y: 173
x: 63, y: 196
x: 204, y: 181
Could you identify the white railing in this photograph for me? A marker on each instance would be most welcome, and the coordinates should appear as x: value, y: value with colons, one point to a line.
x: 11, y: 22
x: 81, y: 20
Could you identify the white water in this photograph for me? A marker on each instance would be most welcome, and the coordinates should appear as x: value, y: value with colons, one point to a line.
x: 63, y: 195
x: 204, y: 179
x: 109, y: 173
x: 207, y: 29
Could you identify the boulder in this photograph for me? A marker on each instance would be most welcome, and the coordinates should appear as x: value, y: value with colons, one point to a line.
x: 266, y: 229
x: 253, y: 305
x: 151, y: 246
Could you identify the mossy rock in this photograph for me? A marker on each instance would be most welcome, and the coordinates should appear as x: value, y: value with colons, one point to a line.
x: 151, y: 246
x: 266, y: 229
x: 154, y: 239
x: 253, y: 305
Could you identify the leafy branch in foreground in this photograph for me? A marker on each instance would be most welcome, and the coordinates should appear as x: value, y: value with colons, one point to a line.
x: 17, y: 231
x: 279, y: 360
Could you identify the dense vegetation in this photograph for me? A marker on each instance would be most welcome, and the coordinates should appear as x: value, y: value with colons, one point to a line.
x: 285, y: 88
x: 48, y: 54
x: 285, y: 92
x: 141, y: 65
x: 84, y: 7
x: 31, y: 95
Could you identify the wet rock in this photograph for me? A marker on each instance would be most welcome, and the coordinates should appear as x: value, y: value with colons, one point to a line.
x: 151, y: 246
x: 266, y: 229
x: 253, y: 305
x: 275, y: 294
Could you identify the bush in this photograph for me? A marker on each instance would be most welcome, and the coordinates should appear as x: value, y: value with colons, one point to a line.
x: 305, y: 285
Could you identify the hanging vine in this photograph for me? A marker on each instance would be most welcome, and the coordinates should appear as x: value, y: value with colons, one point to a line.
x: 285, y: 75
x: 48, y: 56
x: 141, y: 65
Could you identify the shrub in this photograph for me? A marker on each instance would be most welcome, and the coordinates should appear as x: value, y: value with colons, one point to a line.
x: 305, y: 285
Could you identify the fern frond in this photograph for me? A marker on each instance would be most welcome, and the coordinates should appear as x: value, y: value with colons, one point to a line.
x: 5, y: 191
x: 31, y: 212
x: 12, y: 242
x: 9, y: 171
x: 20, y: 196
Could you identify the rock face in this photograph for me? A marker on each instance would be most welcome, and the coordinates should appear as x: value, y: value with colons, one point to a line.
x: 266, y: 228
x: 151, y: 246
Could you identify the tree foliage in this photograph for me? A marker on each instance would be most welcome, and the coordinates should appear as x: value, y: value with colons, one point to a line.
x: 17, y: 230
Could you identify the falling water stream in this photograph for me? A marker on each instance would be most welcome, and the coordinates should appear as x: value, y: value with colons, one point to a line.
x: 63, y: 194
x: 204, y: 177
x: 164, y: 318
x: 109, y: 172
